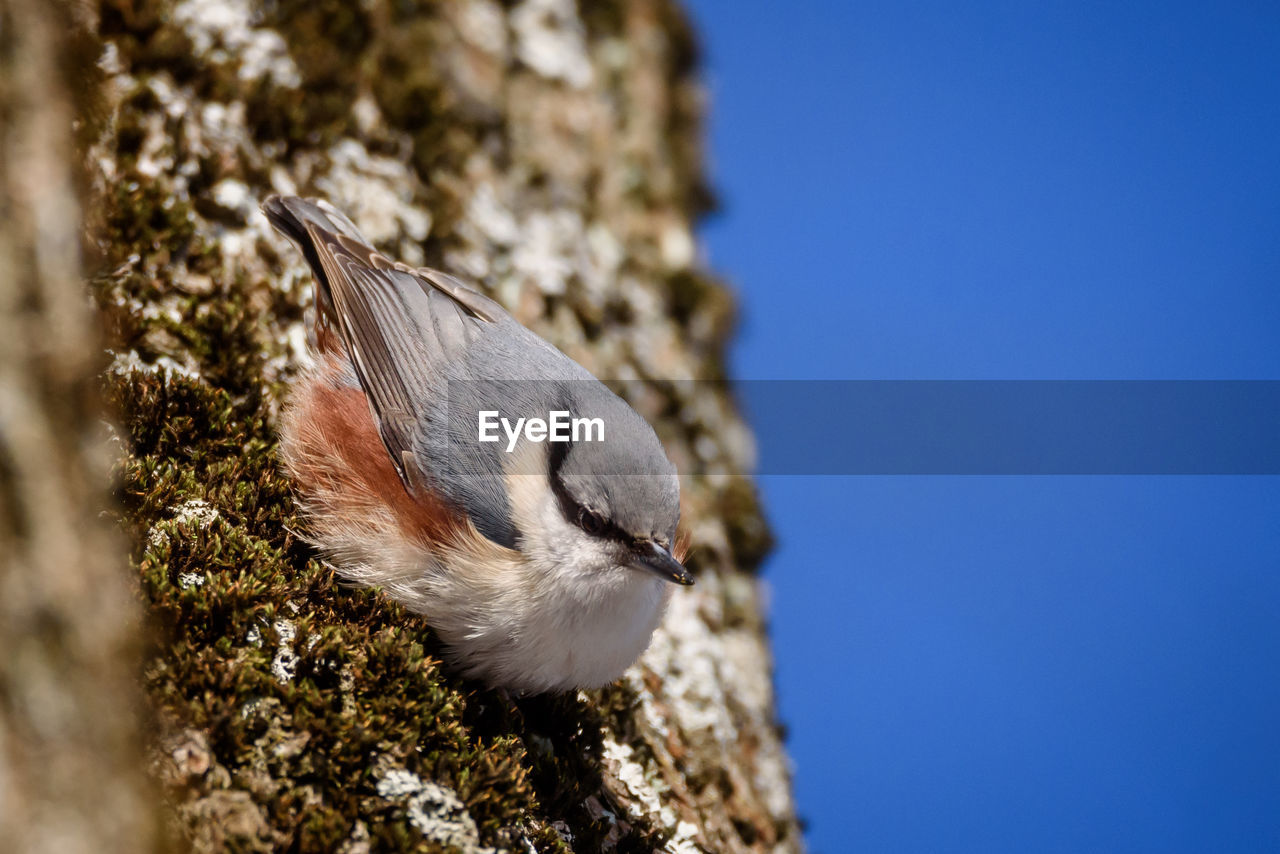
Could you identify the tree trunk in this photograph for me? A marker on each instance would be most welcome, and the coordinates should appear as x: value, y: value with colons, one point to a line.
x: 547, y: 151
x: 71, y: 754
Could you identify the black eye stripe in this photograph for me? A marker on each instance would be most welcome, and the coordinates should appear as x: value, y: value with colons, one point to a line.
x: 575, y: 513
x: 599, y: 526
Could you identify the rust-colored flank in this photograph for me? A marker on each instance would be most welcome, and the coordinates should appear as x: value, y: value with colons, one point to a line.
x: 338, y: 459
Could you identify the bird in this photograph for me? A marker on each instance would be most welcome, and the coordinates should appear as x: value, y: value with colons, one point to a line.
x: 543, y: 560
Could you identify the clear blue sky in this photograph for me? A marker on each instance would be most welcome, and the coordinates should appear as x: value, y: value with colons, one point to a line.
x: 1013, y: 191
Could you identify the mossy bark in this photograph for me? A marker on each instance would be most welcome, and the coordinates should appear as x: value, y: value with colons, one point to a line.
x: 551, y: 154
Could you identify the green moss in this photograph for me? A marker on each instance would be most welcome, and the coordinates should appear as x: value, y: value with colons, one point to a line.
x: 367, y: 682
x: 603, y: 18
x: 408, y: 87
x: 329, y: 42
x: 694, y: 293
x: 145, y: 37
x: 142, y: 217
x: 749, y: 535
x: 684, y: 113
x: 385, y: 49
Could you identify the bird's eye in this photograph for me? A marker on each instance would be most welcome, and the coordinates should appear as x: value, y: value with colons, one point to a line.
x: 591, y: 522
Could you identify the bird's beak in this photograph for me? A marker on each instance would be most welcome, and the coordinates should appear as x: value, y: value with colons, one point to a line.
x: 654, y: 558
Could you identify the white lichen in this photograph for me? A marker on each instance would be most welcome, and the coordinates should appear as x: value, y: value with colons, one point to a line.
x: 129, y: 361
x: 441, y: 817
x: 234, y: 196
x: 605, y: 254
x: 436, y: 811
x: 223, y: 30
x: 397, y: 782
x: 696, y: 664
x: 347, y: 688
x: 683, y: 841
x: 190, y: 580
x: 647, y: 797
x: 378, y: 194
x: 109, y: 60
x: 546, y: 248
x: 359, y: 842
x: 255, y: 705
x: 216, y: 129
x: 365, y: 111
x: 491, y: 218
x: 690, y: 656
x: 192, y: 513
x: 550, y: 247
x: 285, y: 662
x: 200, y: 512
x: 676, y: 246
x: 645, y: 788
x: 550, y: 39
x: 482, y: 24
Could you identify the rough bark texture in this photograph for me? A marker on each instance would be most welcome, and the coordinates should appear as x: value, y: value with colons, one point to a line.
x: 548, y: 151
x: 72, y: 776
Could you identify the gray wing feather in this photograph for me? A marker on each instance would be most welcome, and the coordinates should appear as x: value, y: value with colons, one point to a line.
x: 407, y: 340
x: 379, y: 333
x: 421, y: 340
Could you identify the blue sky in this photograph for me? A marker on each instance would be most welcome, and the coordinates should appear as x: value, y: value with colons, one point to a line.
x: 1013, y: 191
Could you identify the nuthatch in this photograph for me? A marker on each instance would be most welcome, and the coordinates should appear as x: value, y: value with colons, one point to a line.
x: 543, y: 563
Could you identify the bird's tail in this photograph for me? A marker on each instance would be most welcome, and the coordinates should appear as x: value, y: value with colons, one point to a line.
x: 290, y: 215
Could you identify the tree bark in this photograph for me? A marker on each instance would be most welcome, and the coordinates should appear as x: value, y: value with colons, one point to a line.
x: 72, y: 773
x: 549, y: 152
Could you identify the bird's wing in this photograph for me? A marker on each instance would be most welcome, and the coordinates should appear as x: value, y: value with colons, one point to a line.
x: 401, y: 330
x: 409, y: 333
